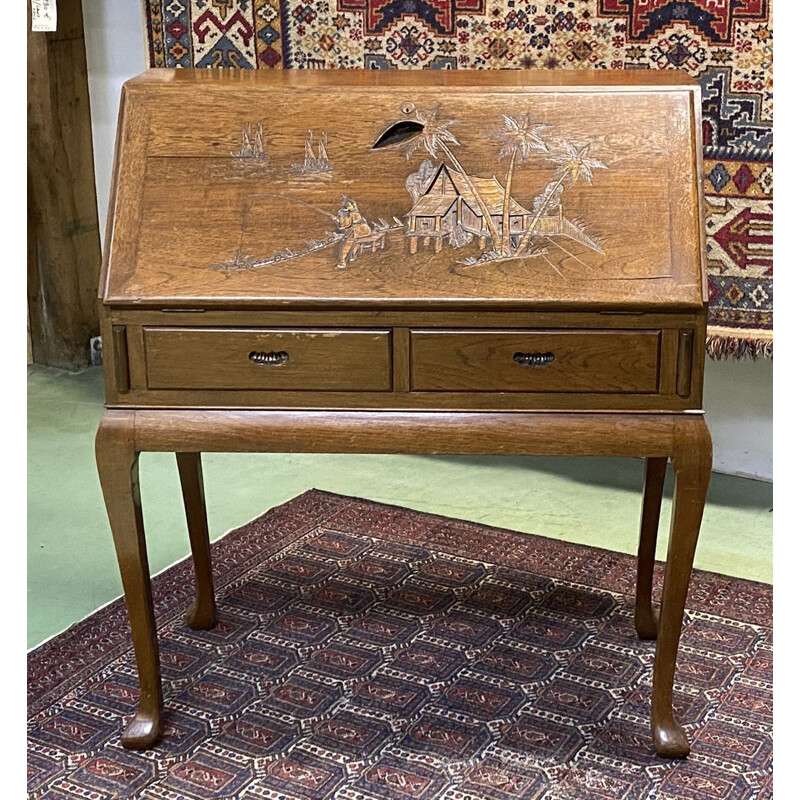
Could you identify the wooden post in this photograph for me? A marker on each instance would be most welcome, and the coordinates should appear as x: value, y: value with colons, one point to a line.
x: 64, y: 239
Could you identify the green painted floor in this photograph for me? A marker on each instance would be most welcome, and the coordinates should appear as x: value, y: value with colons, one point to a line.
x: 71, y: 566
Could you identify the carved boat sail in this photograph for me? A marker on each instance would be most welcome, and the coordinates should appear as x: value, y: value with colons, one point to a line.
x: 313, y: 163
x: 252, y: 143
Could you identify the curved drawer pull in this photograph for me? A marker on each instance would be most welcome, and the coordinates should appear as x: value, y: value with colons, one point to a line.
x: 534, y: 359
x: 270, y: 359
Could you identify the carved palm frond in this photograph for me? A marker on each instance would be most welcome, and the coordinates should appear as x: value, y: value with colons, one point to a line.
x: 520, y: 137
x: 574, y: 164
x: 435, y: 132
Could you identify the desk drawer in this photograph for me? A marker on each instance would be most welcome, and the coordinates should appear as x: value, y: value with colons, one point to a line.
x: 535, y: 361
x: 258, y: 358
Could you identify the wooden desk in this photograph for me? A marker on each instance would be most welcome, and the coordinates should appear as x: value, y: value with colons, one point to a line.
x: 392, y: 262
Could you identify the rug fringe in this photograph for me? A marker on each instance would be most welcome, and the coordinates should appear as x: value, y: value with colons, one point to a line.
x: 720, y: 347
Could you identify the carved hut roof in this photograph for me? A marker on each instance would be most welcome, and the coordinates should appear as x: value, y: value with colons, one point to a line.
x: 490, y: 189
x: 433, y: 205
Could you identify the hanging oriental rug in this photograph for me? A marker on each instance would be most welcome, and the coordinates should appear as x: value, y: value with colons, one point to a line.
x: 725, y: 44
x: 365, y: 651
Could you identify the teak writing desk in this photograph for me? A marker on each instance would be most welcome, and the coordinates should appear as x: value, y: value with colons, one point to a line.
x: 405, y: 262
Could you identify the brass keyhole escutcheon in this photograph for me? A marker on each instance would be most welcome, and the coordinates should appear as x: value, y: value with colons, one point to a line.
x: 269, y: 359
x: 534, y: 359
x: 408, y: 108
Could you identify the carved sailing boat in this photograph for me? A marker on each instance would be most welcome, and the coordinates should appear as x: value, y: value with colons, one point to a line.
x: 315, y: 163
x: 252, y: 143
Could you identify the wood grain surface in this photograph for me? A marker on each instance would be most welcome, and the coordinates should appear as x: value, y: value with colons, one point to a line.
x: 313, y: 359
x: 571, y: 361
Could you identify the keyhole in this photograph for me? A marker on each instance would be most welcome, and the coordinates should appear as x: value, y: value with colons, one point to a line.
x: 399, y: 132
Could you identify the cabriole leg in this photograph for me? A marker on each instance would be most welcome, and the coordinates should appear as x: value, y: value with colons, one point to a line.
x: 201, y: 615
x: 118, y: 467
x: 646, y: 619
x: 691, y: 460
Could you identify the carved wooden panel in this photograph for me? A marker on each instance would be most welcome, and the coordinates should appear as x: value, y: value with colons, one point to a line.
x: 348, y: 190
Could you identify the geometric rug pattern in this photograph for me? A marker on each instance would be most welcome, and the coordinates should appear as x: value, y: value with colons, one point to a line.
x: 366, y: 651
x: 725, y: 44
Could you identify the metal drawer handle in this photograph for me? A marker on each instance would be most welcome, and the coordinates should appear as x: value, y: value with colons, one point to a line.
x: 534, y: 359
x: 270, y: 359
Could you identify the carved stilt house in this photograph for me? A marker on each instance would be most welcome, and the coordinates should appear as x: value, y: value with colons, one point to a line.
x: 449, y: 200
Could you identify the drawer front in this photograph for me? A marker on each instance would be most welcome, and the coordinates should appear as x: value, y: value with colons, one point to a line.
x: 535, y: 361
x: 258, y: 358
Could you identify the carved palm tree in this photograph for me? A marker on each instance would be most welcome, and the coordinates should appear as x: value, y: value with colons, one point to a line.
x: 572, y: 165
x: 428, y: 130
x: 519, y: 140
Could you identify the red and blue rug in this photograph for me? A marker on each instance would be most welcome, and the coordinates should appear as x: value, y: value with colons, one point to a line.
x: 366, y: 651
x: 725, y: 44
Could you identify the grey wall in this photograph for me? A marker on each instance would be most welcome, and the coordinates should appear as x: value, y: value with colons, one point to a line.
x: 738, y: 400
x: 115, y: 51
x: 738, y: 394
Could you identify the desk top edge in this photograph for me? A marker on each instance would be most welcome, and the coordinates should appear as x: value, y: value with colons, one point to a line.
x: 626, y: 79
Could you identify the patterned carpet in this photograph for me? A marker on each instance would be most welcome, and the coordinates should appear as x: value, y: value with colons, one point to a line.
x: 368, y: 651
x: 725, y: 44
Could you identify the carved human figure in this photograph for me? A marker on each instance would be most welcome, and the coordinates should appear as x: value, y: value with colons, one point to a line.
x: 354, y: 226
